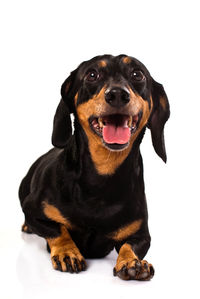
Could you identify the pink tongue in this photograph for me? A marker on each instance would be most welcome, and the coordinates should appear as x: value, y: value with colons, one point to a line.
x: 113, y: 134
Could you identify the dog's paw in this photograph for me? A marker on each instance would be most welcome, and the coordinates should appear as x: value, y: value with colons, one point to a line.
x: 128, y: 265
x: 68, y: 261
x: 135, y: 269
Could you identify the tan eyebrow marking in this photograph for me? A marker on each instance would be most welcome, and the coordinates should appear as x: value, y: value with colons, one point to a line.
x: 126, y: 60
x: 102, y: 63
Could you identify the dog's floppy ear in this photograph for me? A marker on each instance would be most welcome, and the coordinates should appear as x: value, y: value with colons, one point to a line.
x: 62, y: 128
x: 158, y: 118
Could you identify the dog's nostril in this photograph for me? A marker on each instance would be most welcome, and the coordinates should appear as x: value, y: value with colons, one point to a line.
x: 125, y: 96
x: 117, y: 97
x: 111, y: 96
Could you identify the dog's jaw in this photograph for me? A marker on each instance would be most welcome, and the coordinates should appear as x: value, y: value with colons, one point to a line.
x: 115, y: 130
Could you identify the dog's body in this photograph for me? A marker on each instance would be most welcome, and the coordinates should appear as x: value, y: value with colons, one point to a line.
x: 86, y: 195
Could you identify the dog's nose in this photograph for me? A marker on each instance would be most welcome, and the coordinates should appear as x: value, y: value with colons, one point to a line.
x: 117, y: 97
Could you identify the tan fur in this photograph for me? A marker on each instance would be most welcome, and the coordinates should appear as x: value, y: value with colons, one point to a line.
x: 54, y: 214
x: 102, y: 63
x: 126, y: 60
x: 126, y: 257
x: 129, y: 260
x: 126, y: 231
x: 106, y: 162
x: 25, y: 228
x: 76, y: 99
x: 63, y: 246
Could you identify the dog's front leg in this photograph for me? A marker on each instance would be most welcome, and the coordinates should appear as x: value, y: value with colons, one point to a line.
x: 65, y: 255
x: 130, y: 263
x: 46, y: 221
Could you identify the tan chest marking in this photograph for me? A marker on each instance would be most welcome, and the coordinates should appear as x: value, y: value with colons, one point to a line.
x: 126, y: 231
x: 54, y: 214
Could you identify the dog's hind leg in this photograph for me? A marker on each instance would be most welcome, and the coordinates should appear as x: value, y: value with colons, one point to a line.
x: 26, y: 228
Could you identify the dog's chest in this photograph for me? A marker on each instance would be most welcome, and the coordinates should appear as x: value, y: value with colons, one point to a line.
x: 98, y: 207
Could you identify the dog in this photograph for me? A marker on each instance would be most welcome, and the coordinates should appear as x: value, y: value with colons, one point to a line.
x: 86, y: 195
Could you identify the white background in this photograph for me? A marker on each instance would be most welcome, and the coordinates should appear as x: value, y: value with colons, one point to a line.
x: 41, y: 42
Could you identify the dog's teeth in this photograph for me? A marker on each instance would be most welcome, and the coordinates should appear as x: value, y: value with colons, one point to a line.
x: 130, y: 122
x: 100, y: 121
x: 95, y: 125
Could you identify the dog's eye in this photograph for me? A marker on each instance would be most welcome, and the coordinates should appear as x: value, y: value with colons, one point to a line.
x: 137, y: 75
x: 92, y: 76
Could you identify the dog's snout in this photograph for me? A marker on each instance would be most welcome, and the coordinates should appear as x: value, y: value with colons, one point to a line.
x: 117, y: 97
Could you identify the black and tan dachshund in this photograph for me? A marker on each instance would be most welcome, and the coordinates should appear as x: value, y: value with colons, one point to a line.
x: 86, y: 195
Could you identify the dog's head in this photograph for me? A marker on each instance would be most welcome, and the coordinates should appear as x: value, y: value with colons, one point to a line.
x: 113, y: 98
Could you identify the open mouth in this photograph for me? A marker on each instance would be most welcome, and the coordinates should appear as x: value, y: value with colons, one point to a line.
x: 115, y: 130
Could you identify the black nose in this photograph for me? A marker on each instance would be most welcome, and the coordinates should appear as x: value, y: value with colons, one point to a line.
x: 117, y: 97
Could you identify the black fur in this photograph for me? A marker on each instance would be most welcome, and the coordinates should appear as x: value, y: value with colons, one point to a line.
x: 66, y: 176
